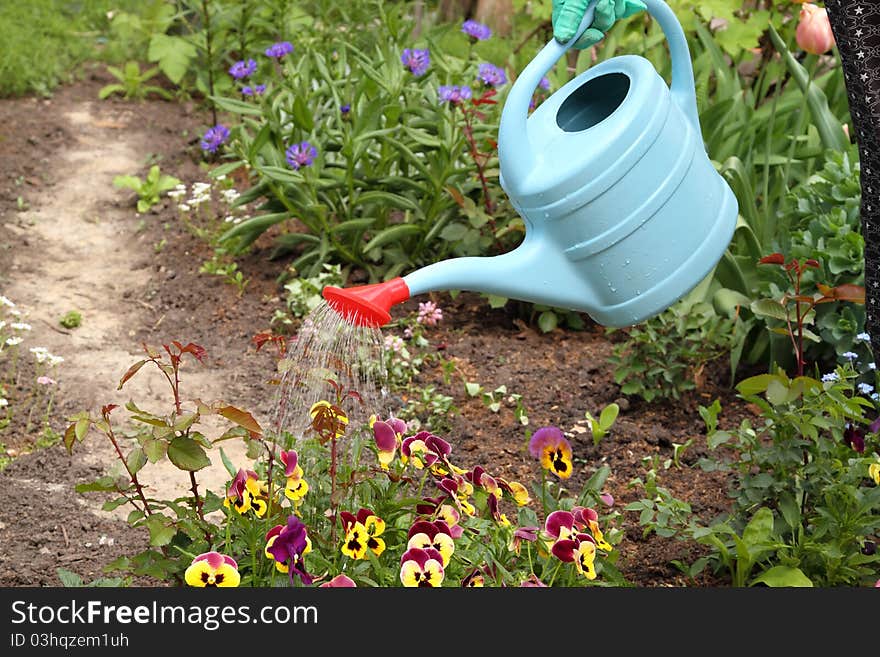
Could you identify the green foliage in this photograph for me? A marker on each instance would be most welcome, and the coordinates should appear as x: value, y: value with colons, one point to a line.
x: 71, y: 319
x: 660, y: 357
x: 304, y: 292
x: 600, y: 427
x: 396, y: 183
x: 217, y: 266
x: 43, y: 42
x: 805, y: 462
x: 150, y: 189
x: 132, y: 82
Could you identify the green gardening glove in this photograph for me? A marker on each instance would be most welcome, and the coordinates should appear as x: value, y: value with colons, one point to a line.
x: 568, y: 14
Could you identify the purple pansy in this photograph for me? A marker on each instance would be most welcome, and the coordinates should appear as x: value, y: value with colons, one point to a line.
x: 476, y: 30
x: 301, y: 155
x: 417, y: 60
x: 289, y: 546
x: 491, y: 75
x: 243, y: 69
x: 214, y: 137
x: 278, y: 50
x: 854, y: 438
x: 451, y: 93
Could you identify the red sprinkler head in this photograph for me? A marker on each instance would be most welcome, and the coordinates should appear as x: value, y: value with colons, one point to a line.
x: 367, y: 305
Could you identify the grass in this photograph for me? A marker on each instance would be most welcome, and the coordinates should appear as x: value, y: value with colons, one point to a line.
x: 43, y: 42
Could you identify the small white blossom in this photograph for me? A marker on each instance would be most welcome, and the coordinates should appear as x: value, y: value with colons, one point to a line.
x: 14, y: 341
x: 863, y: 337
x: 3, y: 402
x: 199, y: 187
x: 6, y: 301
x: 104, y: 540
x: 875, y: 396
x: 221, y: 177
x: 831, y: 376
x: 176, y: 193
x: 866, y: 388
x: 183, y: 207
x: 55, y: 360
x: 230, y: 195
x: 229, y: 219
x: 2, y: 324
x: 872, y: 366
x: 14, y: 312
x: 21, y: 326
x: 851, y: 355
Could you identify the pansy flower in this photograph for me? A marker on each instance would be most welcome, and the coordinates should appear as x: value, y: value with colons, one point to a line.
x: 568, y: 545
x: 521, y: 534
x: 585, y: 559
x: 388, y: 435
x: 854, y: 437
x: 421, y: 568
x: 519, y: 492
x: 296, y: 486
x: 477, y: 577
x: 341, y: 581
x: 436, y: 508
x: 588, y: 518
x: 479, y: 477
x: 874, y: 472
x: 500, y: 518
x: 362, y: 533
x: 533, y: 582
x: 289, y: 545
x: 460, y: 489
x: 424, y: 450
x: 425, y: 534
x: 259, y: 493
x: 550, y: 446
x: 246, y: 492
x: 271, y: 535
x: 212, y: 569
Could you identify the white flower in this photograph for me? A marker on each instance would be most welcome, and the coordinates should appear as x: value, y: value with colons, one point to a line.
x: 6, y: 301
x: 230, y: 195
x: 14, y: 341
x: 872, y: 366
x: 183, y: 207
x: 221, y: 177
x: 104, y: 540
x: 851, y: 355
x: 176, y: 193
x: 229, y: 219
x: 831, y: 376
x: 199, y: 187
x: 21, y: 326
x: 3, y: 402
x: 14, y: 312
x: 2, y: 324
x: 55, y: 360
x: 866, y: 388
x: 863, y: 337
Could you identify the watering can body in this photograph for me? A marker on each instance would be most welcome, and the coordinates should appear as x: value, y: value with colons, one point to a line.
x: 624, y: 211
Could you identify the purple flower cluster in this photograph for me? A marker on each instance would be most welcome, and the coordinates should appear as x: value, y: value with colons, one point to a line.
x: 454, y: 94
x: 301, y: 155
x: 256, y: 90
x: 492, y: 75
x: 214, y: 137
x: 475, y: 30
x: 417, y: 60
x: 243, y: 69
x: 278, y: 50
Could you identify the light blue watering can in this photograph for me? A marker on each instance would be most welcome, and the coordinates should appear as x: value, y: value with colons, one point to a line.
x: 624, y: 212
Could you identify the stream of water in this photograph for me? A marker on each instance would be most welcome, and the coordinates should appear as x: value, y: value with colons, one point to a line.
x: 328, y: 346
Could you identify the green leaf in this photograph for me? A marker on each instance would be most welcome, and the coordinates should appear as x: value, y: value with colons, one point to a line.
x: 173, y: 53
x: 473, y: 389
x: 755, y: 384
x: 109, y: 505
x: 128, y: 182
x: 547, y: 321
x: 135, y: 460
x: 454, y: 232
x: 161, y: 529
x: 236, y: 106
x: 68, y: 578
x: 608, y: 416
x: 760, y: 529
x: 187, y: 454
x: 496, y: 301
x: 230, y: 468
x: 102, y: 485
x: 154, y: 449
x: 768, y: 308
x: 393, y: 235
x: 783, y: 576
x: 777, y: 392
x: 302, y: 115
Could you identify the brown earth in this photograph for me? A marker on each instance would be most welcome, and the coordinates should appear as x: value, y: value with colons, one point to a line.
x: 74, y: 241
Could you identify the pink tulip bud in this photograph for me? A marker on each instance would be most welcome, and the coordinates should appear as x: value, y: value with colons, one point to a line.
x: 814, y: 33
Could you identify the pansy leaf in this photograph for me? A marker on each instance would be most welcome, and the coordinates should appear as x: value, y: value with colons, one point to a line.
x: 187, y: 454
x: 783, y: 576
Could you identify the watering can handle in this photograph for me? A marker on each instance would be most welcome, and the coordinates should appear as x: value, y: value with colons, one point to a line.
x: 516, y: 107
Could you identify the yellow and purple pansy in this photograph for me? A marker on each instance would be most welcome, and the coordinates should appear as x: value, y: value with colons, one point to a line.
x: 362, y: 533
x: 553, y: 450
x: 519, y: 492
x: 246, y: 493
x: 421, y: 568
x: 212, y: 569
x: 460, y: 490
x: 435, y: 507
x: 874, y: 472
x: 271, y: 535
x: 568, y: 542
x: 521, y: 534
x: 288, y: 544
x: 425, y: 534
x: 388, y: 435
x: 425, y: 450
x: 588, y: 518
x: 296, y: 486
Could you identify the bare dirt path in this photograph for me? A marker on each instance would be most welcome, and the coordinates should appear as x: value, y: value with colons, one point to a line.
x: 79, y: 247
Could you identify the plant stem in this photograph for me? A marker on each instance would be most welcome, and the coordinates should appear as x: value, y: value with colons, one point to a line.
x: 198, y: 503
x: 475, y: 155
x: 333, y: 502
x: 132, y: 476
x: 209, y: 38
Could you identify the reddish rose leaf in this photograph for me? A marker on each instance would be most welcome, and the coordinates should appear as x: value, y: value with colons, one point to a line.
x: 106, y: 410
x: 197, y: 351
x: 772, y: 259
x: 131, y: 372
x: 812, y: 263
x: 241, y: 418
x: 70, y: 437
x: 846, y: 292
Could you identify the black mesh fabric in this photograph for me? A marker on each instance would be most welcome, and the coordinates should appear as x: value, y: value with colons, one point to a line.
x: 856, y: 27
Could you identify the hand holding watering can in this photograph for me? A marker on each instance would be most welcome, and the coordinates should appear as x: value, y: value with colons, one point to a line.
x: 624, y: 212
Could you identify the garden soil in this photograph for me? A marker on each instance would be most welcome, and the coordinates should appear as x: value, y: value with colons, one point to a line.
x: 70, y: 240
